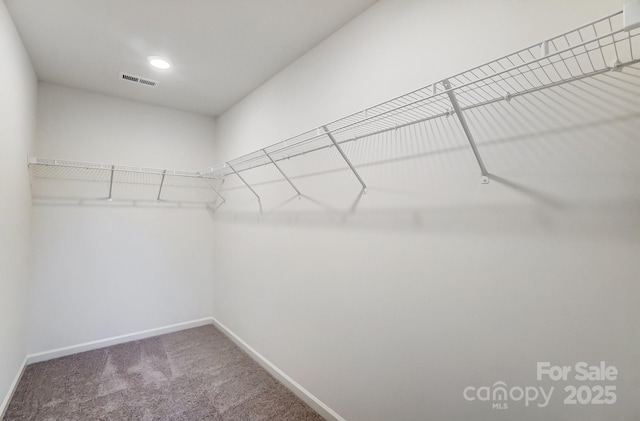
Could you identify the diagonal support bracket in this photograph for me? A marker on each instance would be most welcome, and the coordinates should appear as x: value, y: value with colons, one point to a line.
x: 164, y: 173
x: 282, y: 172
x: 214, y: 189
x: 465, y: 127
x: 110, y: 198
x: 344, y: 156
x: 246, y: 184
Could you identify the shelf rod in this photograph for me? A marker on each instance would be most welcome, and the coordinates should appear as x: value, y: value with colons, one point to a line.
x: 344, y: 156
x: 282, y: 172
x: 245, y: 183
x: 161, y: 184
x: 467, y: 131
x: 111, y: 183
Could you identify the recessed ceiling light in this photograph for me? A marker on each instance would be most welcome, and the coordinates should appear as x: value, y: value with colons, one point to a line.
x: 159, y: 62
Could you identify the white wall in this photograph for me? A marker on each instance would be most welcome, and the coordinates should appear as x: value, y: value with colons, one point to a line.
x: 436, y: 282
x: 17, y: 126
x: 393, y: 48
x: 77, y: 125
x: 104, y: 271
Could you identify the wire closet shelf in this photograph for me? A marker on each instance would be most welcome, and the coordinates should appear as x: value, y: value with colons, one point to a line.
x: 602, y: 46
x: 608, y: 44
x: 75, y: 180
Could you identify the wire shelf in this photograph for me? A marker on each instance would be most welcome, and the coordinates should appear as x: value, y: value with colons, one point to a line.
x: 63, y: 180
x: 592, y: 49
x: 589, y: 52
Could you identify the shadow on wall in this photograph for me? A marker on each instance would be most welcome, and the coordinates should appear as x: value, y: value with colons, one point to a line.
x: 560, y: 159
x: 119, y: 203
x: 618, y: 219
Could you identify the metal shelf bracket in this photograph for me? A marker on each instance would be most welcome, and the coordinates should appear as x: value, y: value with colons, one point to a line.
x: 215, y: 190
x: 467, y: 131
x: 110, y: 198
x: 282, y: 173
x: 164, y: 173
x: 344, y: 156
x: 246, y: 184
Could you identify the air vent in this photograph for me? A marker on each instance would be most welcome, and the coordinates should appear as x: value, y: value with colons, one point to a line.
x: 138, y: 79
x: 148, y: 82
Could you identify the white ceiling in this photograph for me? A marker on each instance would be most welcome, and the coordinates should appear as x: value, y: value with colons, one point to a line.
x: 221, y: 49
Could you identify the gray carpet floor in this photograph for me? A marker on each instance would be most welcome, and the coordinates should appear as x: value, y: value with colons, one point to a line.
x: 196, y: 374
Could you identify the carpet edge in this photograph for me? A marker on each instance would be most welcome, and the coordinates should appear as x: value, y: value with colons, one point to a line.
x: 316, y: 404
x: 114, y: 340
x: 297, y: 389
x: 12, y: 388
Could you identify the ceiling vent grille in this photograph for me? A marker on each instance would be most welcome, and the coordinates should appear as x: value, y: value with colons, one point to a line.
x: 138, y: 79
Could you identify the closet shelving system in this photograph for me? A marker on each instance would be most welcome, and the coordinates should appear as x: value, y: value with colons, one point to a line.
x: 63, y: 182
x: 607, y: 45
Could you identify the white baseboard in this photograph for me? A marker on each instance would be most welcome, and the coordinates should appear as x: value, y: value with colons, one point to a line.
x: 103, y: 343
x: 12, y: 389
x: 281, y: 376
x: 315, y: 403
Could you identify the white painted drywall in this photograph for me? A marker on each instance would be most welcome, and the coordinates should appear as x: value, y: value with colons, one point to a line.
x: 436, y: 282
x: 17, y: 128
x: 78, y: 125
x: 104, y: 271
